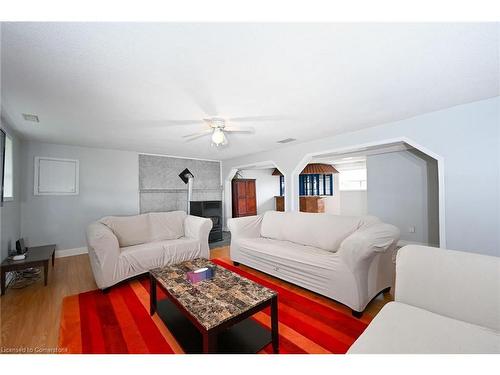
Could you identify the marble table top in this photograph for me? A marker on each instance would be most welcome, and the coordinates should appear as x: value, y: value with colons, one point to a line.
x: 214, y: 301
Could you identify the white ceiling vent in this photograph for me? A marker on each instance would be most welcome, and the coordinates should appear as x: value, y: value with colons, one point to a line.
x: 30, y: 117
x: 287, y: 140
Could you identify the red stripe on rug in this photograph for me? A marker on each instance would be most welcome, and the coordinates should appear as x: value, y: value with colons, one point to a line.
x: 130, y: 330
x: 150, y: 333
x: 112, y: 333
x: 92, y: 335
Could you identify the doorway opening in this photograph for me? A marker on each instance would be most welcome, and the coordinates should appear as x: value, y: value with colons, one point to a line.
x: 396, y: 181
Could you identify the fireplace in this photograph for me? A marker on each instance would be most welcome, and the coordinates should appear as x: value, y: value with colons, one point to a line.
x: 213, y: 211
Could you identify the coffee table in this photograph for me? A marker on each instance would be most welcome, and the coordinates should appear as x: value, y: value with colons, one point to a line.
x: 218, y: 309
x: 37, y: 256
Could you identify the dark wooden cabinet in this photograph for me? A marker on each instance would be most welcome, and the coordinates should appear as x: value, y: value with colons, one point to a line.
x: 280, y: 203
x: 312, y: 204
x: 244, y: 198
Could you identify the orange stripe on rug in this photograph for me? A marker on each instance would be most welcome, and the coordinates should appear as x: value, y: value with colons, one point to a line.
x: 325, y: 328
x: 70, y: 334
x: 293, y: 336
x: 143, y: 295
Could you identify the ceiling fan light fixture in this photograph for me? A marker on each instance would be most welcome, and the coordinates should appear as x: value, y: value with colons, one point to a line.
x: 218, y: 138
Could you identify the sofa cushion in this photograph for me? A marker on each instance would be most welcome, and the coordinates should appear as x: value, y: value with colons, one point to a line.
x: 141, y: 258
x: 323, y: 231
x: 403, y: 329
x: 288, y: 253
x: 129, y: 230
x: 310, y: 267
x: 166, y: 225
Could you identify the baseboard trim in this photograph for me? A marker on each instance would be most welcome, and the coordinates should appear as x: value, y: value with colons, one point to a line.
x: 71, y: 252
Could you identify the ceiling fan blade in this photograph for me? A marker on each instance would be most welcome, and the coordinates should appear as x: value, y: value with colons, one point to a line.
x: 192, y: 137
x: 259, y: 118
x: 154, y: 124
x: 237, y: 129
x: 179, y: 122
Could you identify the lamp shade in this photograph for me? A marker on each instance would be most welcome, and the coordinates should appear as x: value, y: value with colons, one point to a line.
x: 218, y: 137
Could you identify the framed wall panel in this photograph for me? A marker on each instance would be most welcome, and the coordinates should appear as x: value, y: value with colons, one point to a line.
x: 54, y: 176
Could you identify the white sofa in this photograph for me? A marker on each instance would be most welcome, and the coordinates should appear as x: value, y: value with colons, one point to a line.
x: 446, y: 302
x: 348, y: 259
x: 121, y: 247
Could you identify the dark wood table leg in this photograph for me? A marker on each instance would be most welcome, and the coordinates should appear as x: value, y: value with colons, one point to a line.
x: 3, y: 281
x: 45, y: 271
x: 209, y: 342
x: 274, y: 324
x: 53, y: 258
x: 152, y: 295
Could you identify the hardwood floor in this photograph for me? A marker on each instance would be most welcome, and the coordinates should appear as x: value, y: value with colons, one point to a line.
x: 29, y: 317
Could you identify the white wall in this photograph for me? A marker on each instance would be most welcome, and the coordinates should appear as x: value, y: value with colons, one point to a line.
x: 267, y: 187
x: 10, y: 213
x: 464, y: 137
x: 333, y: 203
x: 109, y: 185
x: 402, y: 190
x: 353, y: 203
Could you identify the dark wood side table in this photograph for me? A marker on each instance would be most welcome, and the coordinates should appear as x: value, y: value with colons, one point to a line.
x: 37, y: 256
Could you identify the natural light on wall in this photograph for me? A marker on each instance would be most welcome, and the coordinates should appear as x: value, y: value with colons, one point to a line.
x: 8, y: 171
x: 352, y: 179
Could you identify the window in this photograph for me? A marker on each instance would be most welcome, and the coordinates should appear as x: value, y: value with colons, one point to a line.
x: 328, y: 184
x: 282, y: 186
x: 8, y: 185
x: 316, y: 184
x: 352, y: 179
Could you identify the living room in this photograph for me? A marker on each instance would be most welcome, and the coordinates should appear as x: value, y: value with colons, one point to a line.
x: 250, y: 188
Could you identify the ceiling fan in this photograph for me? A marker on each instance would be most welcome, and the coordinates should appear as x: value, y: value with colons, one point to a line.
x: 218, y: 127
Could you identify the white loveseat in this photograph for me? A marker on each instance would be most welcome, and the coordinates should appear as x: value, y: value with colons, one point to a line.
x: 121, y: 247
x: 348, y: 259
x: 446, y: 302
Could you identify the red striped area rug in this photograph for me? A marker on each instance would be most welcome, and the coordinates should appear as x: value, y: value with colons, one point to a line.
x: 119, y: 322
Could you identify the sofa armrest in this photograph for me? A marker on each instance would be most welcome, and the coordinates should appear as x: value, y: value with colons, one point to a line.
x: 365, y: 243
x: 460, y: 285
x: 199, y: 228
x: 102, y: 242
x: 245, y: 227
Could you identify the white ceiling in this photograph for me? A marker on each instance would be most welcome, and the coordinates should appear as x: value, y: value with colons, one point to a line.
x: 115, y: 85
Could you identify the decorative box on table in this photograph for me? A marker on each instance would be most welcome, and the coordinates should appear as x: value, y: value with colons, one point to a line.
x: 200, y: 274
